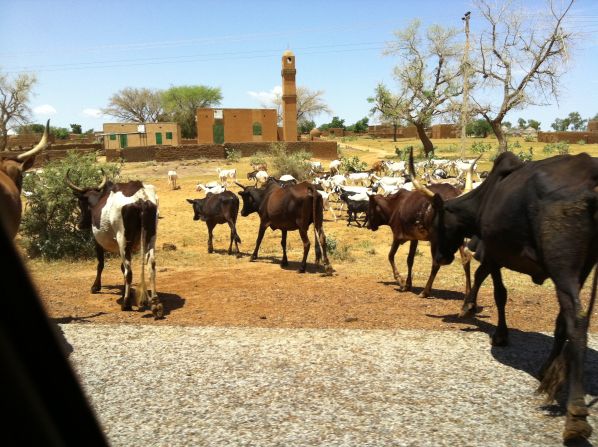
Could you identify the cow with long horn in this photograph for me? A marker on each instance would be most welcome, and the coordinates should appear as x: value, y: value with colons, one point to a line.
x: 11, y: 182
x: 123, y: 218
x: 539, y: 218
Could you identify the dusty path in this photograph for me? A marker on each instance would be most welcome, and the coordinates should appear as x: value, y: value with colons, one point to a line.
x: 280, y: 387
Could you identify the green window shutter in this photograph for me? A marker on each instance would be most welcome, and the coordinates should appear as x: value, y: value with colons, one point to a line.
x: 112, y: 137
x: 158, y: 137
x: 169, y: 135
x: 257, y: 128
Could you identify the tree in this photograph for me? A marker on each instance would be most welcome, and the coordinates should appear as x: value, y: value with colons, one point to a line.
x: 522, y: 123
x: 336, y: 123
x: 360, y: 126
x: 306, y: 126
x: 387, y: 107
x: 182, y: 102
x: 560, y: 125
x: 139, y: 105
x: 429, y: 75
x: 520, y: 60
x: 30, y: 128
x: 76, y: 129
x: 576, y: 121
x: 507, y: 124
x: 534, y: 124
x: 310, y: 103
x: 478, y: 128
x: 14, y: 103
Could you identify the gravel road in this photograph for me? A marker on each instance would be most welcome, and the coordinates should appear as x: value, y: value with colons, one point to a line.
x: 196, y: 386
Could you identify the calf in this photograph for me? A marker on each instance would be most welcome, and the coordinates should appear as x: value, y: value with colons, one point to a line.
x: 356, y: 203
x: 294, y: 207
x: 217, y: 209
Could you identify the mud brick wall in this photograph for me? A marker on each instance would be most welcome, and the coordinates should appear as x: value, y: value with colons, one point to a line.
x: 26, y: 140
x: 444, y: 131
x: 319, y: 149
x: 592, y: 126
x: 130, y: 154
x: 189, y: 152
x: 569, y: 137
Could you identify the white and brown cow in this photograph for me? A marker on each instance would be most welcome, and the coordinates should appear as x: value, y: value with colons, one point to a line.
x: 124, y: 219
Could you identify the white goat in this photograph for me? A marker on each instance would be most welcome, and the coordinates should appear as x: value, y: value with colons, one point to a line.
x: 172, y: 178
x: 334, y: 167
x: 225, y: 174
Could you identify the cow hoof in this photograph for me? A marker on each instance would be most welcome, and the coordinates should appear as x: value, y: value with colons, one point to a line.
x: 253, y: 258
x: 404, y: 288
x: 126, y: 308
x: 302, y: 270
x: 95, y: 289
x: 500, y: 340
x: 467, y: 312
x: 158, y: 311
x: 210, y: 251
x: 576, y: 426
x: 424, y: 294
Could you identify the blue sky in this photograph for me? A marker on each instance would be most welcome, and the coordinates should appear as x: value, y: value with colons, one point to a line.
x: 84, y: 51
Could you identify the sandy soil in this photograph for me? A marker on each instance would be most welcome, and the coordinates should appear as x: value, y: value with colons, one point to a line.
x: 217, y: 289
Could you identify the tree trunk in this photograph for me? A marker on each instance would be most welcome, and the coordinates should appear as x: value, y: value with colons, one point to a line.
x: 500, y: 136
x: 394, y: 135
x: 3, y: 140
x: 421, y: 133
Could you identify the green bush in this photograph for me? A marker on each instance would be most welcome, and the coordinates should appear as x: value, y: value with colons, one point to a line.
x: 49, y: 224
x: 529, y: 138
x: 232, y: 155
x: 515, y: 145
x: 259, y: 158
x: 479, y: 147
x: 295, y: 163
x: 353, y: 164
x: 526, y: 156
x: 582, y: 142
x: 338, y: 251
x: 561, y: 148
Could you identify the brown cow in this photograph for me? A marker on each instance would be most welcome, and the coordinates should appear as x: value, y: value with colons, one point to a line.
x: 11, y: 182
x: 409, y: 214
x: 291, y: 208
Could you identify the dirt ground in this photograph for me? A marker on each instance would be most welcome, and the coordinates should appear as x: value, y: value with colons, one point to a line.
x: 216, y: 289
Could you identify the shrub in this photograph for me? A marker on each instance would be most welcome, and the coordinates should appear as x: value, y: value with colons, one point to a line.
x: 478, y: 147
x: 295, y: 164
x: 259, y: 158
x: 49, y: 223
x: 529, y: 138
x: 232, y: 155
x: 338, y: 251
x: 582, y: 142
x: 353, y: 164
x: 561, y: 148
x: 526, y: 156
x: 515, y: 145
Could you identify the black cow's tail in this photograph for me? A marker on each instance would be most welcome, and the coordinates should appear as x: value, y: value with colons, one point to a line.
x: 314, y: 202
x: 142, y: 285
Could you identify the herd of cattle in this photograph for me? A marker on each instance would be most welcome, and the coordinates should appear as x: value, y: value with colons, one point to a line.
x: 539, y: 218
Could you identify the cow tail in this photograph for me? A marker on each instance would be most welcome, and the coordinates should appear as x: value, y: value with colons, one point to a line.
x: 315, y: 196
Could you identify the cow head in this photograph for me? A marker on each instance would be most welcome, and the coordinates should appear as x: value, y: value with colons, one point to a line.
x: 88, y: 198
x: 252, y: 199
x: 198, y: 206
x: 14, y: 167
x: 375, y: 214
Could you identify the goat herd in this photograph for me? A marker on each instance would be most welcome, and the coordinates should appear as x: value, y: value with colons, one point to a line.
x: 539, y: 218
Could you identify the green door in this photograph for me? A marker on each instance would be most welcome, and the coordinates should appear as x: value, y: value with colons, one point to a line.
x: 158, y: 137
x: 123, y: 141
x: 218, y: 133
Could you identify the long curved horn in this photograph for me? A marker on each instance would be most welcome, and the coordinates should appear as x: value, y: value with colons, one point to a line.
x: 421, y: 188
x: 43, y: 143
x: 70, y: 184
x: 469, y: 176
x: 104, y: 180
x: 240, y: 186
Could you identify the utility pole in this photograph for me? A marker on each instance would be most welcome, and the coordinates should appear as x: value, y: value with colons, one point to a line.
x: 465, y: 70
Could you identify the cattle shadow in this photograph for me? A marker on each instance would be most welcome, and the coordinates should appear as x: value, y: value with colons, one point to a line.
x: 224, y: 251
x: 526, y: 352
x: 310, y: 267
x: 171, y: 301
x: 441, y: 294
x: 67, y: 348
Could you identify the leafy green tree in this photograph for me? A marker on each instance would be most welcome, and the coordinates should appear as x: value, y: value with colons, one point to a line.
x: 387, y: 107
x: 360, y: 126
x: 522, y: 123
x: 560, y: 125
x: 305, y: 126
x: 577, y: 121
x: 30, y: 128
x: 62, y: 133
x: 49, y: 225
x: 478, y: 128
x: 534, y: 124
x: 181, y: 103
x: 336, y: 123
x: 76, y: 129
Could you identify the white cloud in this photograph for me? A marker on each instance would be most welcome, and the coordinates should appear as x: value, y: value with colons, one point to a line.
x: 44, y: 110
x: 266, y: 97
x: 94, y: 113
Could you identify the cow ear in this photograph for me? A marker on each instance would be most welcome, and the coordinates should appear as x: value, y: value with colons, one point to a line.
x: 27, y: 164
x: 190, y: 201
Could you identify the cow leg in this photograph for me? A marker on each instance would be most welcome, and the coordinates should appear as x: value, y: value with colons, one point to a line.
x: 410, y: 257
x: 396, y: 243
x: 258, y: 242
x: 468, y: 309
x: 466, y: 261
x: 501, y: 336
x: 560, y: 337
x: 210, y: 237
x: 97, y: 284
x: 125, y: 253
x: 283, y: 243
x: 234, y: 237
x: 306, y: 244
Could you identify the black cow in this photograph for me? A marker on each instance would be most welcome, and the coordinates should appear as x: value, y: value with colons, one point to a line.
x: 217, y: 209
x: 539, y: 218
x: 289, y: 208
x: 354, y: 207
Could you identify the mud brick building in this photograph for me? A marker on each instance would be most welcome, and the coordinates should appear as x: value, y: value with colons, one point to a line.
x: 121, y: 135
x: 217, y: 126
